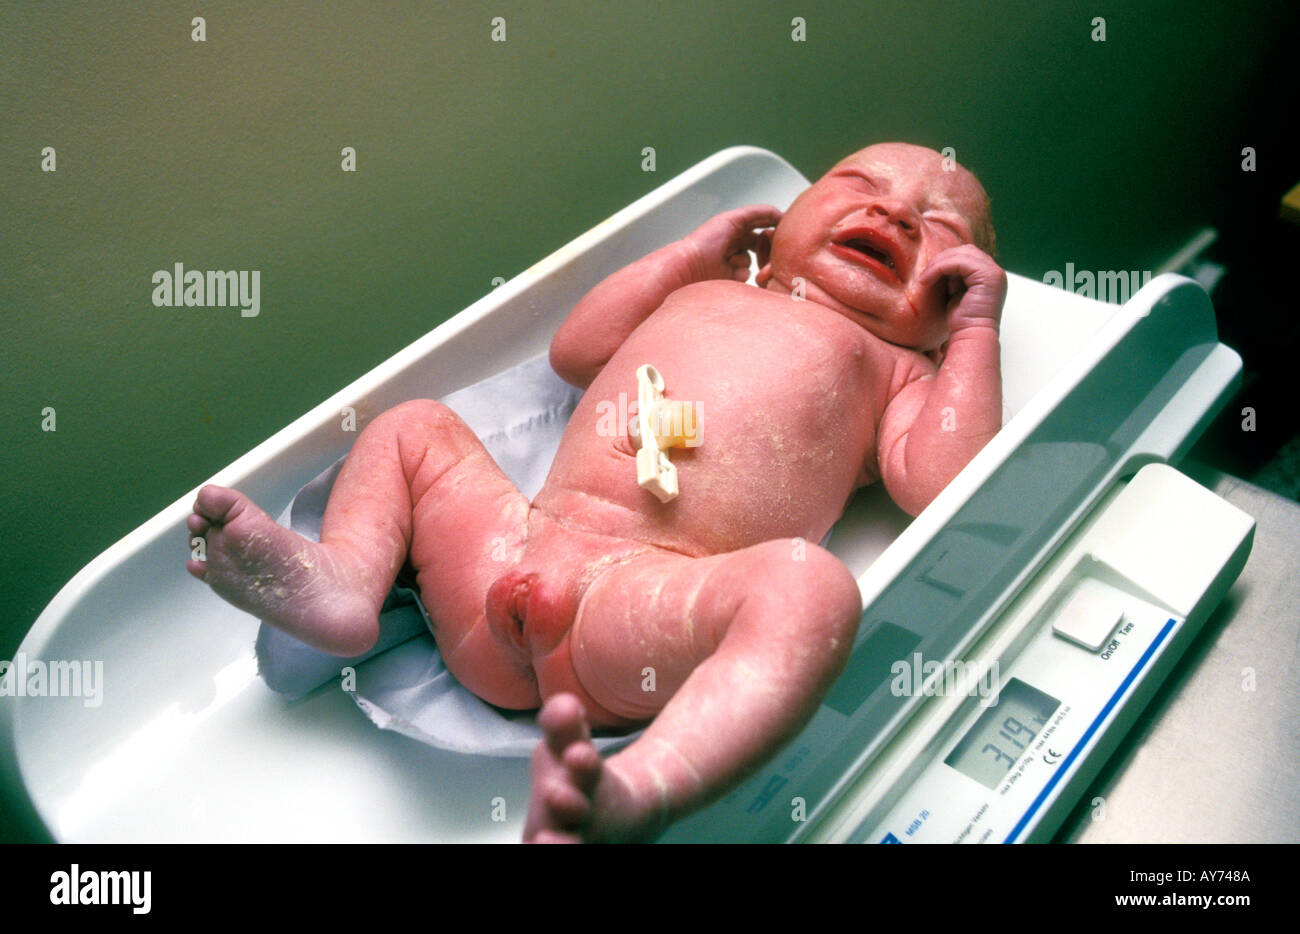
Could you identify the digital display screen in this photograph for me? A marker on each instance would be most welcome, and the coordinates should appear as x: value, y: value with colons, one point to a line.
x: 1002, y: 733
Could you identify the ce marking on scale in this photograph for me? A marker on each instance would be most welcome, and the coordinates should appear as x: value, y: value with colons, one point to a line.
x: 1051, y: 757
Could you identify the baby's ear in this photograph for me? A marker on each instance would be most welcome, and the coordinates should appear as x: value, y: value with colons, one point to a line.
x: 763, y: 276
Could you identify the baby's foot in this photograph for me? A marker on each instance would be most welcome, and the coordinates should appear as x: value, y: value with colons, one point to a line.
x: 576, y: 796
x: 312, y: 591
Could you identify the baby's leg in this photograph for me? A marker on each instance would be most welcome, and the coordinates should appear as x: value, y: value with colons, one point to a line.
x: 743, y: 645
x: 405, y: 463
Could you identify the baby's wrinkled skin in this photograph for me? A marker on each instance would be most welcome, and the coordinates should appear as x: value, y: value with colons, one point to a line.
x: 870, y: 353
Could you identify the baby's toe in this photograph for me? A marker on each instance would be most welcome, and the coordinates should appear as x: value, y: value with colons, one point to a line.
x: 584, y: 766
x: 217, y: 504
x: 554, y: 836
x: 567, y: 806
x: 564, y: 721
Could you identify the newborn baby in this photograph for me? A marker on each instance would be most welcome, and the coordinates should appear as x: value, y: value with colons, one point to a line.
x: 869, y: 353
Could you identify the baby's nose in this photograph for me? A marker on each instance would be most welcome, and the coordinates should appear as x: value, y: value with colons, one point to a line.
x: 896, y: 211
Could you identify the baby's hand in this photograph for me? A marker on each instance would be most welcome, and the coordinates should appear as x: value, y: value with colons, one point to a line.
x: 970, y: 286
x: 720, y: 247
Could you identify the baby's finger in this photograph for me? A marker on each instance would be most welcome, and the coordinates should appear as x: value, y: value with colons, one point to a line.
x: 763, y: 247
x: 969, y: 263
x: 947, y: 264
x: 756, y: 216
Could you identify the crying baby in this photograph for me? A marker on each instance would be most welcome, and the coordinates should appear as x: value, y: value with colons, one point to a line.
x: 868, y: 353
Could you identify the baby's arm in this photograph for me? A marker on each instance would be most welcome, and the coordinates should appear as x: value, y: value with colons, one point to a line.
x: 598, y: 325
x: 939, y: 421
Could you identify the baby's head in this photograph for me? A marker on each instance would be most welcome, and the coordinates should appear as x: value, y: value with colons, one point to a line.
x: 861, y: 236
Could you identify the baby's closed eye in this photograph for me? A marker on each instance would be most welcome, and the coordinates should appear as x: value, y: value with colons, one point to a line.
x: 949, y: 224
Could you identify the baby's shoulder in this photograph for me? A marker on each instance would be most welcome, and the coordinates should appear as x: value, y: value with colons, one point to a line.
x: 714, y: 290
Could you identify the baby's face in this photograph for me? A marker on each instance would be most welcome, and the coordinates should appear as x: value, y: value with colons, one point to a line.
x: 863, y: 234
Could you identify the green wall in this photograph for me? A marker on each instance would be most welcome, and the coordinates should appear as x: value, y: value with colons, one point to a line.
x: 475, y: 159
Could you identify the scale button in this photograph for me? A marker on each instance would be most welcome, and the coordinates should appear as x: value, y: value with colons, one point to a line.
x: 1089, y: 615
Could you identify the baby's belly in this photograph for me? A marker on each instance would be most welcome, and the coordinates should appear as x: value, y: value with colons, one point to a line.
x: 787, y: 409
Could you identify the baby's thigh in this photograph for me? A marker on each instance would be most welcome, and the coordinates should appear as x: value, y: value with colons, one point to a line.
x: 644, y: 627
x: 637, y: 635
x: 468, y: 526
x: 468, y: 520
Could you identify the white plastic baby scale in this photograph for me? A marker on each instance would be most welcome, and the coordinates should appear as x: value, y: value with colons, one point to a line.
x: 189, y: 744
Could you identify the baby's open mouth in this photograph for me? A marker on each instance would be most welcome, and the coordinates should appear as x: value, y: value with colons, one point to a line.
x: 862, y: 246
x: 869, y: 248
